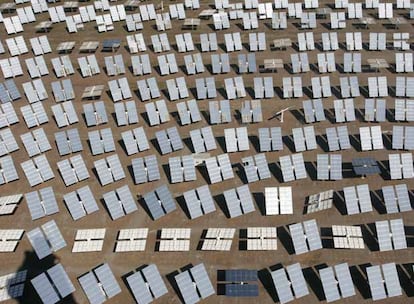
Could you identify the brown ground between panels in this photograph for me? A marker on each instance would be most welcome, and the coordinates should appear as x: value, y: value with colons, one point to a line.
x: 123, y: 263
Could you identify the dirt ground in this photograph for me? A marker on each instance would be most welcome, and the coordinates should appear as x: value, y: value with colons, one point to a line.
x: 168, y: 263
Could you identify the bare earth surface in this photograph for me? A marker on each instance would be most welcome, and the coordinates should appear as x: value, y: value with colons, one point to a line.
x: 77, y: 264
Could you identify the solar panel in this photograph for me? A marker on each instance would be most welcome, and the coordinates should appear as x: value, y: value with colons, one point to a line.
x: 336, y: 167
x: 345, y: 281
x: 101, y: 141
x: 239, y: 201
x: 159, y: 202
x: 46, y: 239
x: 270, y: 139
x: 284, y: 284
x: 401, y: 165
x: 365, y: 166
x: 261, y: 238
x: 398, y: 137
x: 243, y: 290
x: 34, y: 91
x: 323, y: 166
x: 129, y: 240
x: 8, y: 142
x: 402, y: 137
x: 195, y: 287
x: 375, y: 282
x: 37, y: 170
x: 251, y: 111
x: 147, y: 284
x: 64, y: 114
x: 329, y: 284
x: 199, y: 201
x: 187, y: 168
x: 357, y: 199
x: 407, y: 165
x: 320, y: 201
x: 8, y: 170
x: 347, y: 237
x: 337, y: 279
x: 40, y: 206
x: 390, y: 199
x: 391, y: 239
x: 233, y: 203
x: 10, y: 239
x: 7, y: 115
x: 278, y: 200
x: 338, y: 138
x: 329, y: 166
x: 312, y: 235
x: 305, y: 236
x: 287, y: 168
x: 126, y: 113
x: 109, y: 169
x: 36, y: 67
x: 17, y: 46
x: 135, y: 140
x: 203, y: 140
x: 114, y: 65
x: 9, y: 91
x: 396, y: 198
x: 14, y: 283
x: 119, y: 89
x: 398, y: 234
x: 61, y: 280
x: 53, y: 236
x: 62, y: 285
x: 119, y: 202
x: 391, y: 279
x: 299, y: 166
x: 219, y: 112
x: 35, y: 142
x: 157, y: 112
x: 297, y: 279
x: 256, y: 167
x: 387, y: 279
x: 8, y: 204
x: 313, y: 110
x: 218, y: 239
x: 141, y: 65
x: 173, y: 239
x: 219, y: 168
x: 99, y: 284
x: 202, y: 281
x: 68, y: 141
x: 145, y: 169
x: 62, y: 66
x: 87, y: 240
x: 299, y: 139
x: 108, y: 281
x: 73, y: 170
x: 240, y: 275
x: 44, y: 288
x: 34, y: 114
x: 80, y: 202
x: 95, y: 113
x: 88, y: 66
x: 187, y: 289
x: 188, y: 112
x: 177, y: 88
x: 169, y: 140
x: 236, y: 139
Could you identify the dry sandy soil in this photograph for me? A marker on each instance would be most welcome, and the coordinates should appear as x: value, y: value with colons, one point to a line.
x: 168, y: 263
